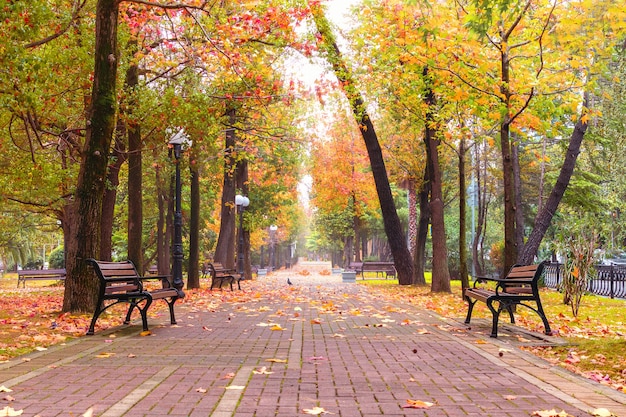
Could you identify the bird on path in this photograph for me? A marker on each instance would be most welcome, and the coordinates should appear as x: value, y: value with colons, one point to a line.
x: 289, y: 281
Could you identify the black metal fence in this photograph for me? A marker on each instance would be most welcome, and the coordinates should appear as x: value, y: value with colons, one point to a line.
x: 608, y: 281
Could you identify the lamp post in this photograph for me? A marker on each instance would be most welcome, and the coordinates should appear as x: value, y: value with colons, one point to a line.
x: 241, y: 202
x: 273, y: 229
x: 176, y: 143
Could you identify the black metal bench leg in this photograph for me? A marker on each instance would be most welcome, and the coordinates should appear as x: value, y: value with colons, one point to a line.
x: 546, y: 325
x: 92, y: 325
x: 171, y: 306
x: 470, y: 308
x: 496, y: 314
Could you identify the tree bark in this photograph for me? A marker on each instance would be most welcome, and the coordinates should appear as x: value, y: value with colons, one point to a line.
x: 463, y: 218
x: 193, y: 273
x: 81, y: 283
x: 422, y: 230
x: 441, y: 272
x: 225, y: 248
x: 544, y: 217
x: 393, y: 227
x: 118, y: 157
x: 135, y: 171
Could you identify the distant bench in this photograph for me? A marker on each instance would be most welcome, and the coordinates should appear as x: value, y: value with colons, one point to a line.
x: 220, y: 275
x: 378, y: 267
x: 121, y: 283
x: 39, y: 275
x: 520, y: 285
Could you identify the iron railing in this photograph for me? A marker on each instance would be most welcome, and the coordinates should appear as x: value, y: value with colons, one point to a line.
x: 608, y: 280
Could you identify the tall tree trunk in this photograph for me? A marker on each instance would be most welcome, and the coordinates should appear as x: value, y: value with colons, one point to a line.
x: 242, y: 184
x: 544, y: 217
x: 422, y: 229
x: 118, y: 157
x: 393, y: 227
x: 225, y: 248
x: 481, y: 204
x: 135, y: 171
x: 81, y: 284
x: 441, y: 272
x: 463, y: 218
x: 517, y: 183
x: 163, y: 253
x: 193, y: 273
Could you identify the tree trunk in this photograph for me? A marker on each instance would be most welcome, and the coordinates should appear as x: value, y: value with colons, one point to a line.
x: 481, y: 207
x: 118, y: 157
x: 135, y: 171
x: 242, y: 184
x: 393, y: 227
x: 441, y: 272
x: 544, y: 217
x: 193, y: 273
x: 163, y: 253
x: 517, y: 183
x: 462, y: 218
x: 422, y: 230
x: 81, y: 283
x: 225, y: 248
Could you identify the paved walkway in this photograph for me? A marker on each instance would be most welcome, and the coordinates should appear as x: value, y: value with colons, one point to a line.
x: 340, y: 349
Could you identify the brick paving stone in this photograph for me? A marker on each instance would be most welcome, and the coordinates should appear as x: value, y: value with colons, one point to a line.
x: 354, y: 360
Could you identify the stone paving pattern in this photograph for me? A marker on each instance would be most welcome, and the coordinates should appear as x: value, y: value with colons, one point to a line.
x: 341, y: 349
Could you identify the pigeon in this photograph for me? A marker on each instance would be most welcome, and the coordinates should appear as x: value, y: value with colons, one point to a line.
x: 289, y: 281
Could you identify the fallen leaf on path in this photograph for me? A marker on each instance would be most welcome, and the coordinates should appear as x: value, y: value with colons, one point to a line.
x: 480, y: 342
x: 602, y: 412
x: 145, y: 333
x: 229, y: 375
x: 316, y: 321
x: 10, y: 412
x: 338, y: 335
x: 104, y: 355
x: 88, y: 413
x: 510, y: 397
x: 238, y: 387
x: 316, y: 411
x: 277, y: 360
x: 550, y: 413
x: 262, y: 371
x: 417, y: 404
x: 8, y: 398
x: 277, y: 327
x: 5, y: 389
x: 201, y: 390
x: 131, y: 355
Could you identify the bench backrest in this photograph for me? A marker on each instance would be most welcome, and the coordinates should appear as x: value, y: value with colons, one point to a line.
x: 530, y: 272
x: 117, y: 277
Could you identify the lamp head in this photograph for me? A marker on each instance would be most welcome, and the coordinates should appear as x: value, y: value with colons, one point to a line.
x: 242, y: 201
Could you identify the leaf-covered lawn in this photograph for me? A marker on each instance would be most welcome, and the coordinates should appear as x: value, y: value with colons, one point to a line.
x: 31, y: 319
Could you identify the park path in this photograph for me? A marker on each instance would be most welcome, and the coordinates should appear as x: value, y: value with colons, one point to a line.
x: 317, y: 346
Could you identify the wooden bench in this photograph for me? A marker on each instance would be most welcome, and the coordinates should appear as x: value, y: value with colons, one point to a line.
x: 219, y: 275
x: 386, y: 268
x: 39, y: 275
x: 120, y: 283
x: 518, y: 287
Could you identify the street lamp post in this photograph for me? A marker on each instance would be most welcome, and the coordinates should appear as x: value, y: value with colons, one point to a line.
x: 241, y: 202
x: 176, y: 142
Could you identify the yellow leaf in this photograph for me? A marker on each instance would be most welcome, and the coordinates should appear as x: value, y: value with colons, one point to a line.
x: 5, y: 389
x: 104, y: 355
x: 315, y: 411
x: 262, y: 371
x: 145, y: 333
x: 237, y: 387
x: 602, y: 412
x: 274, y: 360
x: 316, y: 321
x: 276, y: 327
x: 417, y: 404
x: 8, y: 411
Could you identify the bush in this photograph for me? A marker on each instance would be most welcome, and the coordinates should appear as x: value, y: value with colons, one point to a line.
x: 56, y: 259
